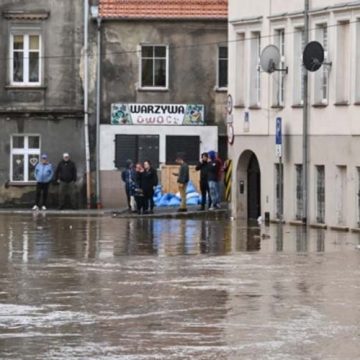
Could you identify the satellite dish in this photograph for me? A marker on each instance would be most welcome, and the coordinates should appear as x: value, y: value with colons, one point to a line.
x: 270, y: 58
x: 313, y: 56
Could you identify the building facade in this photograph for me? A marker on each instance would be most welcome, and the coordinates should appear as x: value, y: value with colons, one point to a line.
x: 41, y: 96
x: 261, y: 184
x: 163, y: 76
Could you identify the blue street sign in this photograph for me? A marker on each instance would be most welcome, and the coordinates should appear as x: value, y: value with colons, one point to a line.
x: 278, y: 134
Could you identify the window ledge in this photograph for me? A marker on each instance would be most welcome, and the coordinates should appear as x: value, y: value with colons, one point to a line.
x: 319, y: 105
x: 239, y: 106
x: 357, y: 103
x: 340, y: 228
x: 342, y: 103
x: 155, y: 89
x: 297, y: 106
x: 22, y: 183
x: 254, y: 107
x: 318, y: 226
x: 277, y: 106
x: 220, y: 89
x: 25, y: 87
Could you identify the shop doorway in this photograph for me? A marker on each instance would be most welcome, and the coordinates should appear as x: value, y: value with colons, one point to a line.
x: 254, y: 199
x: 249, y: 186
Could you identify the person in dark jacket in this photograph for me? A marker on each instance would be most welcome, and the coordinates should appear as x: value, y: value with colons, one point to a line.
x: 44, y: 173
x: 149, y: 181
x: 213, y: 171
x: 138, y: 191
x: 65, y: 175
x: 128, y: 177
x: 183, y: 179
x: 202, y: 166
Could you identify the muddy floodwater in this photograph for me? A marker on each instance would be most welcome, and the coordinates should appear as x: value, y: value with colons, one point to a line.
x: 106, y: 288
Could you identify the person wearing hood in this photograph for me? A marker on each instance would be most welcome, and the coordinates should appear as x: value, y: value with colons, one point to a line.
x: 202, y: 166
x: 128, y: 177
x: 43, y: 174
x: 66, y: 176
x: 213, y: 171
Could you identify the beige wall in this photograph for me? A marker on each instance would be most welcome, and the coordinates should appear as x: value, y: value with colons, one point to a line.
x: 333, y: 130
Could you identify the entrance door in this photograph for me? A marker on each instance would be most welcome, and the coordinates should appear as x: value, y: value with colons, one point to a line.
x: 253, y: 180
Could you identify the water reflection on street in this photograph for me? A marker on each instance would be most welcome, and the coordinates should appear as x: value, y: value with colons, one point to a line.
x: 107, y: 288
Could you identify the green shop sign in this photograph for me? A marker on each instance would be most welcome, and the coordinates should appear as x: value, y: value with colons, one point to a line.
x: 157, y: 114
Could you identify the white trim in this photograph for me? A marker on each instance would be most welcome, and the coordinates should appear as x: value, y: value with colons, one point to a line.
x: 217, y: 87
x: 25, y: 151
x: 26, y: 58
x: 154, y: 88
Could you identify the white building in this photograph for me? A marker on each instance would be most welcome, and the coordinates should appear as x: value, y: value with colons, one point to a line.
x: 333, y: 119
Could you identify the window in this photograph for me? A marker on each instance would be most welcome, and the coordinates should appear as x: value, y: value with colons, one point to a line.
x: 343, y: 63
x: 279, y: 189
x: 188, y: 146
x: 25, y: 153
x: 357, y: 69
x: 154, y: 66
x: 340, y: 194
x: 299, y: 44
x: 322, y: 75
x: 255, y: 83
x: 299, y: 192
x: 222, y: 67
x: 25, y: 60
x: 279, y: 76
x: 239, y: 70
x: 320, y: 193
x: 138, y: 148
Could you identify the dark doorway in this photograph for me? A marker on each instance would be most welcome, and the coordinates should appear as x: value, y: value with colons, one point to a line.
x: 254, y: 202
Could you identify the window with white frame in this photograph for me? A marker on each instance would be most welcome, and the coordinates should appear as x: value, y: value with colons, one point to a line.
x: 154, y: 66
x: 320, y: 193
x: 299, y: 191
x: 321, y: 93
x: 279, y: 76
x: 222, y: 74
x: 239, y: 70
x: 25, y: 64
x: 279, y: 189
x: 255, y: 80
x: 357, y: 66
x: 25, y: 153
x: 299, y: 44
x: 343, y: 63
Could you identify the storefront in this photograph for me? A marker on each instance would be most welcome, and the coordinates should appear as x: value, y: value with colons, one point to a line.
x: 155, y: 132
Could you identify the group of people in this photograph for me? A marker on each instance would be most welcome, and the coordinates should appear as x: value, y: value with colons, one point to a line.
x: 211, y: 168
x: 140, y: 182
x: 141, y: 179
x: 64, y: 174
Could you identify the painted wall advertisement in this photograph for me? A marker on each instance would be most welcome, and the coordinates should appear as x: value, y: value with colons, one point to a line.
x: 157, y: 114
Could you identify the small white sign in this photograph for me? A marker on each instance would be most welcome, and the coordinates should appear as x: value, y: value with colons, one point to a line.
x: 278, y: 150
x: 246, y: 121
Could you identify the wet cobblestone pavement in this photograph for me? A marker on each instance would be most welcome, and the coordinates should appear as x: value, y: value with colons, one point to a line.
x: 110, y: 288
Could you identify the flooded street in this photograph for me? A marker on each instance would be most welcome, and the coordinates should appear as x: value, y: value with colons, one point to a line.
x: 106, y: 288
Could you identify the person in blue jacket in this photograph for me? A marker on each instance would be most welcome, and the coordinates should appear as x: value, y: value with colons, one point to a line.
x: 44, y: 173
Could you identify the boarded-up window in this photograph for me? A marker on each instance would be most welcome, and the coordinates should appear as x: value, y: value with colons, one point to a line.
x: 189, y: 146
x: 137, y: 148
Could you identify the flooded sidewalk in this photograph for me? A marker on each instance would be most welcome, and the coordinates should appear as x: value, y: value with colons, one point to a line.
x: 88, y: 287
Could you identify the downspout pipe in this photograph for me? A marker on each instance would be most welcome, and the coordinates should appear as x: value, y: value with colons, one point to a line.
x: 86, y: 104
x: 305, y: 121
x: 98, y: 109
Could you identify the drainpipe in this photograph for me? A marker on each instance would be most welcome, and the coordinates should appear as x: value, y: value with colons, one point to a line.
x: 305, y: 121
x: 98, y: 108
x: 86, y: 106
